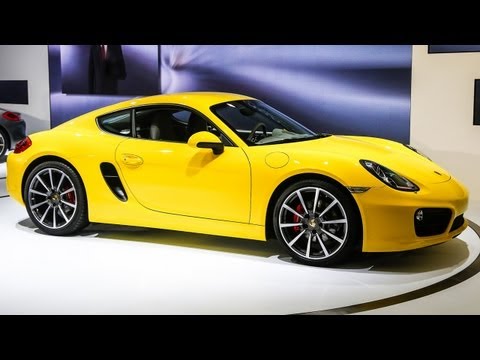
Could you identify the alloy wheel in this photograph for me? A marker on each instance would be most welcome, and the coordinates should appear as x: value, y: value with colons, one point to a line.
x: 52, y: 198
x: 3, y: 144
x: 313, y: 223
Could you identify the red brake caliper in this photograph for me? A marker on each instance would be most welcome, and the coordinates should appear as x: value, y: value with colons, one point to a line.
x: 70, y: 197
x: 296, y: 218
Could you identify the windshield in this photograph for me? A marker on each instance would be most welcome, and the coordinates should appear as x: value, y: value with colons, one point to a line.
x: 258, y: 123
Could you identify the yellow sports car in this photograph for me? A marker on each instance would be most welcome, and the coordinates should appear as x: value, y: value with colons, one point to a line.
x: 231, y: 165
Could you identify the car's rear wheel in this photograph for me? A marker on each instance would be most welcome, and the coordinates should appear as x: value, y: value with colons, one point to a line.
x: 55, y: 199
x: 4, y: 146
x: 317, y: 223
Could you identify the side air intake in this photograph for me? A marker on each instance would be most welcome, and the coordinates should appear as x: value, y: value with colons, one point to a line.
x: 112, y: 179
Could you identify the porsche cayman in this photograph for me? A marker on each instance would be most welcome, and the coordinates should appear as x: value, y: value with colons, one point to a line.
x: 231, y: 165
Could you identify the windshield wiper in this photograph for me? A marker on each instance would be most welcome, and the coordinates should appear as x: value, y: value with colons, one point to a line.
x: 296, y: 139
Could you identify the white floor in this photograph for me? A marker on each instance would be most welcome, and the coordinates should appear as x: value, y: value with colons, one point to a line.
x: 123, y: 270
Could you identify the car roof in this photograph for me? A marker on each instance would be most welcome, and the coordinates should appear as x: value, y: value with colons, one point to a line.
x: 193, y: 99
x: 197, y: 100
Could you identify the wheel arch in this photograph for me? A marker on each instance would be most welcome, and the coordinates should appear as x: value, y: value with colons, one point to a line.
x: 269, y: 231
x: 46, y: 158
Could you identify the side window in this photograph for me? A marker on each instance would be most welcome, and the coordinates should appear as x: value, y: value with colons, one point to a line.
x: 169, y: 124
x: 119, y: 123
x: 155, y: 123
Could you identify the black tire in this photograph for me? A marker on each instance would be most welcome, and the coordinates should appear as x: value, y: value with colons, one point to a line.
x: 310, y: 239
x: 4, y: 143
x: 55, y: 199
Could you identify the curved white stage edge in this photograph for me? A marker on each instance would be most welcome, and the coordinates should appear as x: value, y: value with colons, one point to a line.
x: 123, y: 270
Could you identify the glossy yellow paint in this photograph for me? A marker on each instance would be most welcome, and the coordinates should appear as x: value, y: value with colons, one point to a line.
x: 178, y: 179
x: 181, y: 187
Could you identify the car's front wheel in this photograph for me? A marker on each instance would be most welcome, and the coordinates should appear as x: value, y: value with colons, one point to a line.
x: 317, y: 223
x: 55, y: 199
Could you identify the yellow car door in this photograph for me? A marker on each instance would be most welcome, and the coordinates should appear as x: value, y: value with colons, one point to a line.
x: 173, y: 177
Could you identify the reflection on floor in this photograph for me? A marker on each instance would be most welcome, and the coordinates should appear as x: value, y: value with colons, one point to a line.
x: 125, y: 270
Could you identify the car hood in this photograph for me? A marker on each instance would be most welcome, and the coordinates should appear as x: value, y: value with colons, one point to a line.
x: 388, y: 153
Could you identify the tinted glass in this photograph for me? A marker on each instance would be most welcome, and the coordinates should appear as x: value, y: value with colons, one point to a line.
x: 258, y: 123
x: 119, y: 123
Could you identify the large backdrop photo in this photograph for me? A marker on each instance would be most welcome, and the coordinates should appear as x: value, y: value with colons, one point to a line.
x: 347, y: 89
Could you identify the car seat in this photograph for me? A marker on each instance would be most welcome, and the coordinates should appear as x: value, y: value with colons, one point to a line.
x: 195, y: 124
x: 161, y: 128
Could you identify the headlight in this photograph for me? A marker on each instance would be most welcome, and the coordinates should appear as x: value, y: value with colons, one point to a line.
x: 388, y: 176
x: 417, y: 151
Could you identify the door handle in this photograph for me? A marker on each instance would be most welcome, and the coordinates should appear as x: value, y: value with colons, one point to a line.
x: 132, y: 160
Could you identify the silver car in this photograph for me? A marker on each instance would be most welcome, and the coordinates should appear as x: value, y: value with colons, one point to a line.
x: 12, y: 130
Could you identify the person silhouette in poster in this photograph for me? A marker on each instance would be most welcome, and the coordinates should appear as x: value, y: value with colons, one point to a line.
x: 105, y: 67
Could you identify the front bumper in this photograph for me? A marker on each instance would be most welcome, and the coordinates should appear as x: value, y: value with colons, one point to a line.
x: 388, y: 215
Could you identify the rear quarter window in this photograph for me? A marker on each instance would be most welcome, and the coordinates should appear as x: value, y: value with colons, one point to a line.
x: 119, y: 123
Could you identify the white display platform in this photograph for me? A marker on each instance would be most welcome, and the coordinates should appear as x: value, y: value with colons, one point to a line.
x: 123, y: 270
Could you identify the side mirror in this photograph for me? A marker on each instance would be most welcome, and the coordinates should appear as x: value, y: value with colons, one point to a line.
x: 206, y: 140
